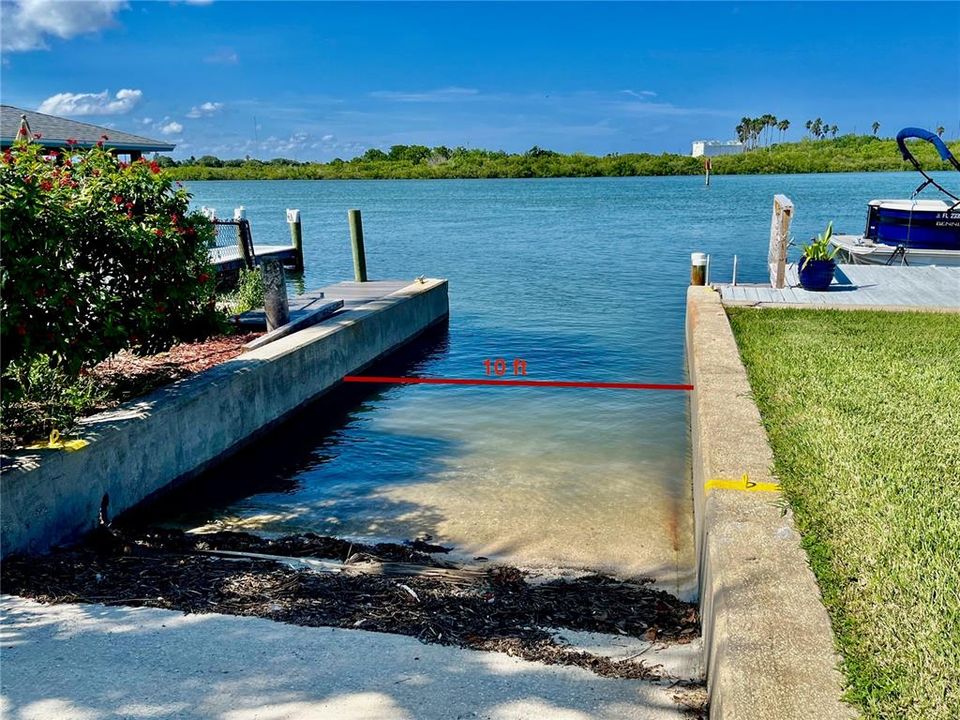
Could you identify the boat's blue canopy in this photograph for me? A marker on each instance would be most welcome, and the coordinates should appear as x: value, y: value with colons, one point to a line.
x: 921, y: 134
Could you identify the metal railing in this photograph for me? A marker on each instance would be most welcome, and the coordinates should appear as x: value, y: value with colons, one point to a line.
x: 233, y: 241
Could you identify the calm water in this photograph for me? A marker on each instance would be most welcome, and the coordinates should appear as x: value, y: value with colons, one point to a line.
x: 585, y: 280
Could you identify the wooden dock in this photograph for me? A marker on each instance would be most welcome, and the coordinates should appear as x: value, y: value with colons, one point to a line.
x: 859, y: 287
x: 229, y: 259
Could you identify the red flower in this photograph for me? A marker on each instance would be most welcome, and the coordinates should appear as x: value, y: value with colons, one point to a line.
x: 21, y: 330
x: 37, y: 136
x: 128, y: 205
x: 23, y: 131
x: 104, y: 137
x: 71, y: 141
x: 174, y: 218
x: 158, y: 232
x: 154, y: 167
x: 129, y: 214
x: 202, y: 278
x: 122, y: 165
x: 28, y: 179
x: 8, y: 157
x: 117, y: 199
x: 99, y: 143
x: 46, y: 185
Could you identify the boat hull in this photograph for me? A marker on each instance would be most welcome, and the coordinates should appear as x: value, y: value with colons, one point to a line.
x: 919, y: 225
x: 864, y: 251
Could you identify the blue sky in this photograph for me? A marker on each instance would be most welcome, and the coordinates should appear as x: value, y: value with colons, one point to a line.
x: 316, y: 80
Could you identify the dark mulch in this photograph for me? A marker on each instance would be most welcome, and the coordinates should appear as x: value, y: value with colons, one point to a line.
x: 494, y: 609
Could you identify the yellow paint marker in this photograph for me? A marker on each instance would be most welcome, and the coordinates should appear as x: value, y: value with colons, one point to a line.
x: 744, y: 484
x: 58, y: 443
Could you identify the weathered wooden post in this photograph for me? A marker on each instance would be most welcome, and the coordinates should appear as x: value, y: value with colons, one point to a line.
x: 240, y: 217
x: 698, y: 268
x: 356, y: 240
x: 707, y: 167
x: 275, y: 305
x: 296, y: 237
x: 779, y: 240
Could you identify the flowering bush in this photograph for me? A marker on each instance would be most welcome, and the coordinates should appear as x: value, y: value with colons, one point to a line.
x: 97, y: 255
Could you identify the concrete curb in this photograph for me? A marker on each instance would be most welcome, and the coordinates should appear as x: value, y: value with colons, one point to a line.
x: 768, y: 645
x: 149, y: 444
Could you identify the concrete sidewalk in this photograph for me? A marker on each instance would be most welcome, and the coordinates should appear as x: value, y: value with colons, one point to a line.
x: 86, y: 662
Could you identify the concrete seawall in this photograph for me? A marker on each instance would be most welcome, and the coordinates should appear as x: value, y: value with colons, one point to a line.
x: 149, y: 444
x: 768, y: 646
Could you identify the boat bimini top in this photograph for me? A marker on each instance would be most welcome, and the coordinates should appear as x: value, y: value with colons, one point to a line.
x: 943, y: 151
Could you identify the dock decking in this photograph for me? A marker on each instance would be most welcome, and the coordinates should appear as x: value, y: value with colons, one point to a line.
x: 228, y: 258
x: 859, y: 286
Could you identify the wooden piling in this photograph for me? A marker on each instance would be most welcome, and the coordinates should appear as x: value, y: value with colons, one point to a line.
x: 275, y: 305
x: 296, y: 237
x: 698, y: 268
x: 240, y: 216
x: 779, y: 240
x: 356, y: 240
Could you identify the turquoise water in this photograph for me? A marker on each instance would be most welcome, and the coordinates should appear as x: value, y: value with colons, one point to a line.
x: 585, y: 280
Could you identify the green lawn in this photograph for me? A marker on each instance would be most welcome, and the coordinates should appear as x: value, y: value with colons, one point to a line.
x: 863, y: 412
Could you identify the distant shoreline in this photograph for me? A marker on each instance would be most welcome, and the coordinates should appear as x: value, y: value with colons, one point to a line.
x: 849, y: 153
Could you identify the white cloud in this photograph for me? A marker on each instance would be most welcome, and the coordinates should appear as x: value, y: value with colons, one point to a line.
x: 446, y: 94
x: 208, y: 108
x: 27, y: 23
x: 639, y: 94
x: 172, y: 128
x: 327, y: 138
x: 223, y: 56
x: 91, y: 103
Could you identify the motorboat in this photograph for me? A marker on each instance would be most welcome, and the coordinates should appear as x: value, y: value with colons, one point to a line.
x: 914, y: 231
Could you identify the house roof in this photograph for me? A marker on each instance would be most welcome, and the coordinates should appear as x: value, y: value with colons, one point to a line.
x: 55, y: 131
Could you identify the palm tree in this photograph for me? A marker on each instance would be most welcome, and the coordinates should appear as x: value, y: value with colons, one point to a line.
x: 833, y: 130
x: 817, y: 128
x: 940, y: 130
x: 809, y: 126
x: 783, y: 126
x: 875, y: 126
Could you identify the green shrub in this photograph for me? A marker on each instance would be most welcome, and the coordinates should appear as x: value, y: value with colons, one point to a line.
x: 248, y: 293
x: 40, y: 396
x: 97, y: 255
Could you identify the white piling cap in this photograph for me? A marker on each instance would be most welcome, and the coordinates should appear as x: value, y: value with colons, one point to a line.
x: 209, y: 213
x: 698, y: 258
x: 293, y: 216
x: 239, y: 213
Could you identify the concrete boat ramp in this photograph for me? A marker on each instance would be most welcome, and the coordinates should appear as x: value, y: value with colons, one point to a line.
x: 93, y: 662
x: 90, y: 661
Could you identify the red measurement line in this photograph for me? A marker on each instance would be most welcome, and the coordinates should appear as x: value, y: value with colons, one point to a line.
x: 522, y: 383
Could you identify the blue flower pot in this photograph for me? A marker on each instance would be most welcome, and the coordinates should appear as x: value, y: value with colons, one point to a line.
x: 816, y: 274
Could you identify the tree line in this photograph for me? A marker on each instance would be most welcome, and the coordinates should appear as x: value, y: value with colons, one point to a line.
x: 845, y: 153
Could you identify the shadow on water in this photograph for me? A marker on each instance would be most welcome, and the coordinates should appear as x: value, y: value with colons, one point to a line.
x: 277, y: 461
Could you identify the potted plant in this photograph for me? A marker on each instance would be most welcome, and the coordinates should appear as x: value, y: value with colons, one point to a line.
x: 817, y: 264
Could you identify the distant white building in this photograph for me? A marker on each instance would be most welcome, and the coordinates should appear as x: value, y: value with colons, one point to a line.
x: 712, y: 148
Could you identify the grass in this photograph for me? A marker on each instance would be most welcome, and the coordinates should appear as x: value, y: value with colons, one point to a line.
x: 863, y: 412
